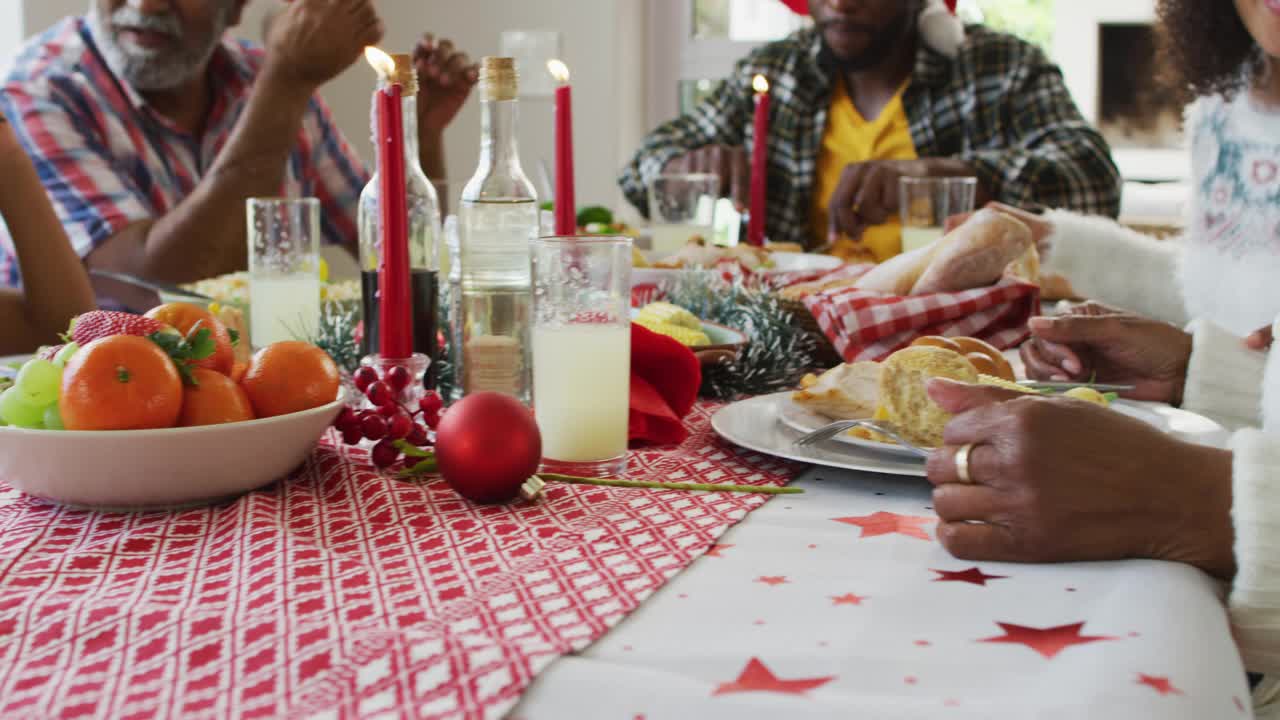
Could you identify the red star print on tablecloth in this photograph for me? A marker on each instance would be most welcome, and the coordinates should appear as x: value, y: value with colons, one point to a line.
x: 1046, y: 641
x: 886, y: 523
x: 1158, y: 683
x: 972, y: 575
x: 715, y: 550
x: 773, y: 579
x: 757, y: 677
x: 847, y: 599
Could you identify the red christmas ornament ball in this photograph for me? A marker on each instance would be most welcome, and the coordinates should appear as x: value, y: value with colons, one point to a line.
x: 487, y: 445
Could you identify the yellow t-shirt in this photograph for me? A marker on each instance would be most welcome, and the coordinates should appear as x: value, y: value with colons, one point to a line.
x: 849, y: 138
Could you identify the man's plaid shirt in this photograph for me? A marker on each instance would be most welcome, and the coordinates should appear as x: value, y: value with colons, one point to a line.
x: 999, y: 104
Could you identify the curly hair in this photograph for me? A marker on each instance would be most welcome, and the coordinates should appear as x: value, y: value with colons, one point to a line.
x: 1205, y: 47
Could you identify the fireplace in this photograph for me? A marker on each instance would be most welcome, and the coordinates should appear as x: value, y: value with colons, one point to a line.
x: 1132, y: 112
x: 1106, y: 49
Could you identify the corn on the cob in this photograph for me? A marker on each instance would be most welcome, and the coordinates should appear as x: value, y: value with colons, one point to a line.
x: 671, y: 314
x: 682, y: 335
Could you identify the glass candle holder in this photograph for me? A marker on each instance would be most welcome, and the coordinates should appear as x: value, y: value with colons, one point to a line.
x: 582, y: 352
x: 406, y: 386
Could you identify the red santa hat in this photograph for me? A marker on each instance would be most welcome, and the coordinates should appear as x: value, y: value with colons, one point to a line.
x: 939, y: 27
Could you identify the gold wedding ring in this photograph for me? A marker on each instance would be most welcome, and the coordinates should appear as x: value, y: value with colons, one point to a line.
x: 962, y: 463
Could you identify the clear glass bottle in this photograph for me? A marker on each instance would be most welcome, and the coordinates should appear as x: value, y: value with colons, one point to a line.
x: 424, y: 233
x: 498, y: 220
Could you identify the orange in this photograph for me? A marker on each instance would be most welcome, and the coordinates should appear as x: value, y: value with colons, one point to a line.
x: 121, y: 382
x: 213, y: 400
x: 290, y: 376
x: 187, y: 318
x: 238, y: 370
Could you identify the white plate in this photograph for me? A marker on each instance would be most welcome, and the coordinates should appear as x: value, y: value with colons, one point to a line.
x: 783, y: 262
x: 758, y: 424
x: 754, y: 424
x: 1170, y: 420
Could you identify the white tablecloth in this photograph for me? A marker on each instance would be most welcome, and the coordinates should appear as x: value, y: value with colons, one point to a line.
x: 839, y: 602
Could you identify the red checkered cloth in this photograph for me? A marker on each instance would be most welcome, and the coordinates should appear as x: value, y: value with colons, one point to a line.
x: 865, y: 325
x: 341, y: 592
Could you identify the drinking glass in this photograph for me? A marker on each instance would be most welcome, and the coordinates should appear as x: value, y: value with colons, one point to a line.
x: 926, y: 203
x: 681, y: 207
x: 284, y: 268
x: 582, y: 352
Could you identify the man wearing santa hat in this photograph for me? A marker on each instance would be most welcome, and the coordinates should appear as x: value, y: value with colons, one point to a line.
x: 150, y: 127
x: 875, y: 91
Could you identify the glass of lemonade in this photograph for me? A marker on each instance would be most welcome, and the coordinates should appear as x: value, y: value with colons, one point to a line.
x: 284, y: 268
x: 682, y: 207
x: 926, y: 203
x: 582, y: 352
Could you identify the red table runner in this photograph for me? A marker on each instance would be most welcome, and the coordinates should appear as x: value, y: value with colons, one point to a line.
x: 341, y: 590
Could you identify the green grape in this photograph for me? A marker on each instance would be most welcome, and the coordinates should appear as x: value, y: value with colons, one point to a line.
x: 64, y: 355
x: 53, y: 418
x: 17, y: 410
x: 40, y: 381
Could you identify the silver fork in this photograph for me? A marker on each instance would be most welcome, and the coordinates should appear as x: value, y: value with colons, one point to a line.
x: 827, y: 432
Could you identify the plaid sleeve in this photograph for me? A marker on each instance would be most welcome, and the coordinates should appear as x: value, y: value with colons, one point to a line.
x: 93, y: 197
x: 1052, y: 157
x: 338, y: 175
x: 721, y: 119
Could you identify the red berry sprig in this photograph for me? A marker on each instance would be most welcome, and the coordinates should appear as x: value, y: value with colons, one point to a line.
x: 392, y: 421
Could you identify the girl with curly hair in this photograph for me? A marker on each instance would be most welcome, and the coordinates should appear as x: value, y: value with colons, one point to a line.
x: 55, y: 285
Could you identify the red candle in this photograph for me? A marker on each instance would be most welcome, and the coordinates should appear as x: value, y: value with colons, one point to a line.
x: 565, y: 206
x: 759, y: 163
x: 395, y: 303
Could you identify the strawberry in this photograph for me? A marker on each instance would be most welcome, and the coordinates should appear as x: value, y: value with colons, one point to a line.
x: 105, y: 323
x: 50, y: 352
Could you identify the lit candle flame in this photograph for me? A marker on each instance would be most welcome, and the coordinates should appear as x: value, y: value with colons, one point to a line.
x: 559, y: 71
x: 760, y: 84
x: 380, y: 61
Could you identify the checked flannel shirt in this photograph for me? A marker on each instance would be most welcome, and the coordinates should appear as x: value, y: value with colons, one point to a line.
x: 999, y: 104
x: 107, y: 160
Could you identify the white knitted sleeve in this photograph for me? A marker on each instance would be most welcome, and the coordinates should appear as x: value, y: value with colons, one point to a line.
x: 1113, y: 265
x: 1223, y: 377
x: 1254, y: 602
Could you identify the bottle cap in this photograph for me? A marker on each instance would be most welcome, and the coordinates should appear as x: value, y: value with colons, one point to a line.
x: 498, y: 78
x: 405, y: 75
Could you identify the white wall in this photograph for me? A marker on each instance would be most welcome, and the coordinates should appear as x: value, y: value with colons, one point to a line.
x: 601, y: 40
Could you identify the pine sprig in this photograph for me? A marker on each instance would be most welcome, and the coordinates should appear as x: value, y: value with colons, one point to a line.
x: 780, y: 351
x: 336, y: 334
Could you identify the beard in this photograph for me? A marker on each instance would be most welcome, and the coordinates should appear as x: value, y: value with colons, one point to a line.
x: 153, y: 69
x: 883, y: 42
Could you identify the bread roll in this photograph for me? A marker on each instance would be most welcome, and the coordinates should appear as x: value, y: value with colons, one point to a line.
x: 845, y: 392
x: 899, y: 274
x: 968, y: 345
x: 975, y: 254
x: 903, y: 394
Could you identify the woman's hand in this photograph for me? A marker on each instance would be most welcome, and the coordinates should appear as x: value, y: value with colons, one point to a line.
x: 1096, y: 343
x: 1058, y: 480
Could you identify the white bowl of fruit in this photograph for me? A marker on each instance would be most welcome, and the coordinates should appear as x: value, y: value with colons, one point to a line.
x: 150, y: 412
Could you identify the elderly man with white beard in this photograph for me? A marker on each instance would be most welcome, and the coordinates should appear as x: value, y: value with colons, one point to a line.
x: 150, y: 126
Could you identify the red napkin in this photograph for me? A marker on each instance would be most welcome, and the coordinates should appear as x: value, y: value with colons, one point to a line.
x: 665, y: 377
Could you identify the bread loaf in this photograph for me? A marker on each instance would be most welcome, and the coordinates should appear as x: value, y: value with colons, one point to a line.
x: 976, y: 254
x: 899, y: 274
